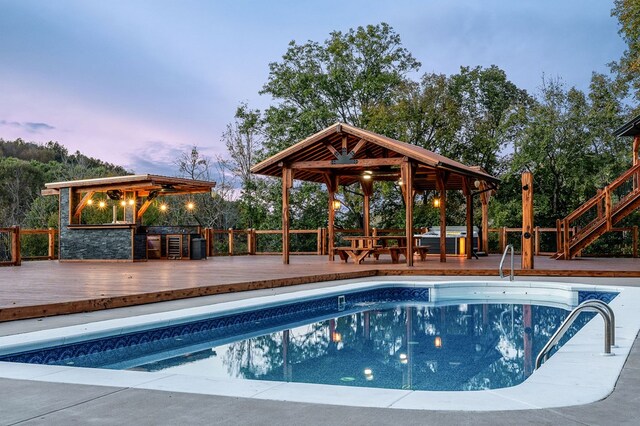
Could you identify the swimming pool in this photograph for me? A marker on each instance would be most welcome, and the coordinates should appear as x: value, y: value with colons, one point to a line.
x: 410, y: 338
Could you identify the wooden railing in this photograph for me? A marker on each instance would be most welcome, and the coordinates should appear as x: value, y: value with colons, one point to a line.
x: 224, y: 242
x: 12, y: 245
x: 233, y: 242
x: 504, y: 237
x: 598, y: 214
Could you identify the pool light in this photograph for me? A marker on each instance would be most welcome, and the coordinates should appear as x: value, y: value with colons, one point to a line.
x: 437, y: 342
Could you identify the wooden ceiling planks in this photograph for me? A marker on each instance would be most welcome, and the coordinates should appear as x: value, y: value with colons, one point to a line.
x: 348, y: 151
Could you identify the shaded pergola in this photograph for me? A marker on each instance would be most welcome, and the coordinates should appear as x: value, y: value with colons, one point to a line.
x: 344, y: 155
x: 120, y: 240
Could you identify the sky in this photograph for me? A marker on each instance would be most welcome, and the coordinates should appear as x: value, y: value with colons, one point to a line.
x: 138, y: 82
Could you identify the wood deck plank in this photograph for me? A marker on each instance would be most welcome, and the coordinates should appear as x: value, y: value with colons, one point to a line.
x: 42, y: 288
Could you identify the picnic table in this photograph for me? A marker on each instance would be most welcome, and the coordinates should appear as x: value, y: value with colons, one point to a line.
x: 363, y: 245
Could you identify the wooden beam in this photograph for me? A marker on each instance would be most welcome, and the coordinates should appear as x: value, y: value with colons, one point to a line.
x: 143, y: 208
x: 82, y: 203
x: 636, y: 148
x: 332, y: 187
x: 469, y: 199
x: 344, y: 143
x: 45, y: 192
x: 332, y: 149
x: 287, y: 179
x: 484, y: 203
x: 358, y: 146
x: 406, y: 171
x: 527, y: 221
x: 327, y: 164
x: 367, y: 189
x: 441, y: 184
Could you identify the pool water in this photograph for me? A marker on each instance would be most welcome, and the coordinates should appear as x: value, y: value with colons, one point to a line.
x: 393, y: 337
x: 451, y: 348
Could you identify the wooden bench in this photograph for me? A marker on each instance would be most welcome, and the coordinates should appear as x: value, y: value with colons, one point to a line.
x: 396, y: 252
x: 356, y: 253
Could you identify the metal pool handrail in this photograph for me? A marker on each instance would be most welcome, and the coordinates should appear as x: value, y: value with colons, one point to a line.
x: 589, y: 305
x: 504, y: 255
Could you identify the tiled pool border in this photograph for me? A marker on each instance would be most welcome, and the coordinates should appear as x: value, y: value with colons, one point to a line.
x: 559, y: 382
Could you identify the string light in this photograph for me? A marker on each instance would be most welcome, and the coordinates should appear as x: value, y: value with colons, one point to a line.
x: 190, y: 205
x: 163, y: 207
x: 102, y: 204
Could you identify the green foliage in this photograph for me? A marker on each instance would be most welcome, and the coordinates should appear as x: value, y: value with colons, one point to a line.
x: 477, y: 116
x: 628, y: 67
x: 24, y: 169
x: 346, y: 78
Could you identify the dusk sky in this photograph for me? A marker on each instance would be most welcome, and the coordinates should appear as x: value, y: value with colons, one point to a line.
x: 137, y: 82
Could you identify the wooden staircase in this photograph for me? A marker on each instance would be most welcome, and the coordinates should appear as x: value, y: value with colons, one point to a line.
x: 608, y: 207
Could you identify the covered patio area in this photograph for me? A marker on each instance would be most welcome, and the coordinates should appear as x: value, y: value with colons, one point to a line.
x: 345, y: 155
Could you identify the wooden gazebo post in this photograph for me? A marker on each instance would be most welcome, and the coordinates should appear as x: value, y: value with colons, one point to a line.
x: 367, y: 190
x: 287, y: 183
x: 332, y: 188
x: 406, y: 174
x: 441, y: 180
x: 484, y: 203
x: 469, y: 198
x: 527, y: 221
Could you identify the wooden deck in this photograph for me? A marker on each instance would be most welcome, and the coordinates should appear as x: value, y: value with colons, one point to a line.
x: 45, y: 288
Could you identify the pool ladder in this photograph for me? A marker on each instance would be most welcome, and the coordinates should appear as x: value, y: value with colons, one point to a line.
x: 504, y: 255
x: 589, y: 305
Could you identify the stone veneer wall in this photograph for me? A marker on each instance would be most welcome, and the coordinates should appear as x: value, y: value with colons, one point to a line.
x: 102, y: 244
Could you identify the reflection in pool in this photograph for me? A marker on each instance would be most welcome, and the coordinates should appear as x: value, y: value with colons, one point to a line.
x: 406, y: 346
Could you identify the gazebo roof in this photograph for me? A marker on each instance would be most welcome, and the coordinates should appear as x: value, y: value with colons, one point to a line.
x: 630, y: 128
x: 141, y: 183
x: 348, y: 151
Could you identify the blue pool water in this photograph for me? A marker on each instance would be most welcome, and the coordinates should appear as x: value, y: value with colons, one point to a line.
x: 385, y: 337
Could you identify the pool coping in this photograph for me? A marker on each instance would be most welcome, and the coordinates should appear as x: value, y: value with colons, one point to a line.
x: 555, y: 384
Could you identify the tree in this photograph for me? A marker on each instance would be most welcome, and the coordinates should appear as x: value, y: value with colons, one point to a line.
x: 628, y: 67
x: 343, y: 79
x: 490, y: 112
x: 244, y: 138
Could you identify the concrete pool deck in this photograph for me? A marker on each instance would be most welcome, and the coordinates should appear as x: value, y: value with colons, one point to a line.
x: 27, y: 402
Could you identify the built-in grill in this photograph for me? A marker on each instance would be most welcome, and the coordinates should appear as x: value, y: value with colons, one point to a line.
x: 455, y: 240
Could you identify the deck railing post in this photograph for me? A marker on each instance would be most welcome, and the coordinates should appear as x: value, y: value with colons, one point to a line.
x: 16, y: 258
x: 607, y: 207
x: 537, y: 240
x: 503, y: 238
x: 634, y: 236
x: 208, y: 236
x: 249, y: 241
x: 51, y: 251
x: 565, y: 238
x: 230, y: 241
x: 254, y: 241
x: 559, y: 236
x: 319, y: 241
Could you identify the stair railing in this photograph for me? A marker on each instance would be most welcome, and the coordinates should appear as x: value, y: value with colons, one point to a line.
x: 600, y: 200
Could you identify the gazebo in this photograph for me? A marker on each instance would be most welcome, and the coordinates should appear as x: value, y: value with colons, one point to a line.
x: 344, y: 155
